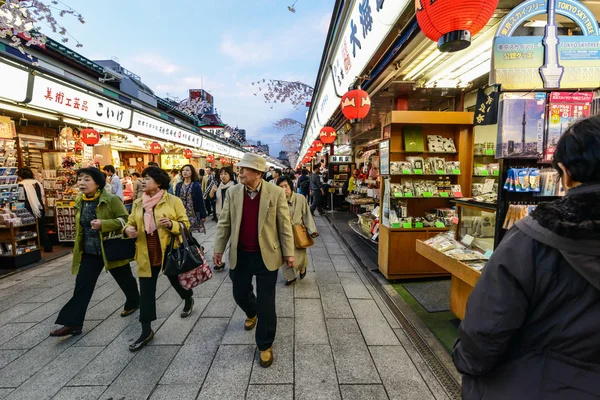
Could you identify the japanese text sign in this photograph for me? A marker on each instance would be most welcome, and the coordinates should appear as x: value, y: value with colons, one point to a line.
x: 155, y: 128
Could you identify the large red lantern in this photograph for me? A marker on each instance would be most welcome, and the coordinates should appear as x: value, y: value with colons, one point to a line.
x: 452, y: 23
x: 210, y: 158
x: 328, y: 135
x: 187, y: 153
x: 155, y: 148
x: 317, y: 144
x: 90, y: 136
x: 356, y: 104
x: 311, y: 152
x: 223, y: 160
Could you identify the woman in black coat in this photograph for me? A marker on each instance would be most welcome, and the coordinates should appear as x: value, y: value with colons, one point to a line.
x: 532, y: 325
x: 189, y: 190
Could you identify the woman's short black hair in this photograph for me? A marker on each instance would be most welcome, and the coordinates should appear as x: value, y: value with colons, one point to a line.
x: 95, y: 174
x: 160, y: 177
x: 286, y: 178
x: 304, y: 171
x: 135, y: 174
x: 579, y: 151
x: 202, y: 172
x: 25, y: 173
x: 229, y: 171
x: 109, y: 168
x: 194, y: 172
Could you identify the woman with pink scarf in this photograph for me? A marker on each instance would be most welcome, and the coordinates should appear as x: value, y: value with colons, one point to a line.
x: 153, y: 221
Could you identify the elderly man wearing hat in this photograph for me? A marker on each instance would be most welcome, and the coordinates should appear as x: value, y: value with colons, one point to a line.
x: 256, y: 220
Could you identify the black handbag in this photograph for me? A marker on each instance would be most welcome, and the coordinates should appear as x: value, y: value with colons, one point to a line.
x: 117, y: 247
x: 184, y: 258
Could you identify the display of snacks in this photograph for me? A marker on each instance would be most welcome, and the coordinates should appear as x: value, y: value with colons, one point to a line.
x: 65, y: 221
x: 429, y: 166
x: 445, y: 243
x: 485, y: 149
x: 486, y: 169
x: 8, y: 153
x: 421, y: 188
x: 439, y: 144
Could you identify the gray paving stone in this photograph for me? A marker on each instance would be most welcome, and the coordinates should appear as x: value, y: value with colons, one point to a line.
x: 22, y: 295
x: 323, y: 264
x: 270, y: 392
x: 307, y: 288
x: 335, y: 303
x: 235, y: 333
x: 222, y: 305
x: 41, y: 313
x: 315, y: 373
x: 194, y: 359
x: 334, y: 249
x: 141, y: 375
x: 34, y: 335
x: 363, y: 392
x: 103, y: 291
x: 353, y: 286
x: 9, y: 331
x: 5, y: 392
x: 310, y: 322
x: 109, y: 329
x: 8, y: 356
x: 352, y: 359
x: 54, y: 292
x: 106, y: 307
x: 16, y: 312
x: 179, y: 392
x: 400, y: 377
x: 373, y: 324
x: 342, y: 263
x: 229, y: 373
x: 80, y: 393
x: 284, y: 300
x: 176, y: 329
x: 49, y: 380
x: 327, y: 277
x: 385, y: 310
x: 282, y: 369
x: 210, y: 287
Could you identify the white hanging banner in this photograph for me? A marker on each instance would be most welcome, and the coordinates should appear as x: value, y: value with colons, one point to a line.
x: 162, y: 130
x: 215, y: 147
x: 13, y: 83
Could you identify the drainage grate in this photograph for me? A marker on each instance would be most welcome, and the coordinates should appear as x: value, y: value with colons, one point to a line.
x: 438, y: 369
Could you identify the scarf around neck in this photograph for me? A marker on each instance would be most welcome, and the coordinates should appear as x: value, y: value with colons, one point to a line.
x: 32, y: 197
x: 148, y: 203
x: 94, y: 197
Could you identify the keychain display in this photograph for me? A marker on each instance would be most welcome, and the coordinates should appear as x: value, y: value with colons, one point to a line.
x: 523, y: 180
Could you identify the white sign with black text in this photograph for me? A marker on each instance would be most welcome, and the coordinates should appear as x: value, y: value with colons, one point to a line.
x: 215, y: 147
x: 341, y: 159
x: 161, y: 130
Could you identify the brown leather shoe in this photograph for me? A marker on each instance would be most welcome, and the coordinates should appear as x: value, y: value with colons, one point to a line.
x: 250, y: 323
x: 66, y: 331
x: 266, y: 358
x: 126, y: 313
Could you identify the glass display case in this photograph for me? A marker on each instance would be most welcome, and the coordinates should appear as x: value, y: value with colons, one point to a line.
x: 476, y: 225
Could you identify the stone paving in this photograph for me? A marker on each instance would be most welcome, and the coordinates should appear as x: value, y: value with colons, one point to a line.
x: 336, y: 339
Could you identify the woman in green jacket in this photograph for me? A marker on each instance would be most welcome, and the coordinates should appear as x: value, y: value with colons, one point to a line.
x: 98, y: 214
x: 154, y: 219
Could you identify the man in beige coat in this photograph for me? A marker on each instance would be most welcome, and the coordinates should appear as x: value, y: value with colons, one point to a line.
x: 256, y: 220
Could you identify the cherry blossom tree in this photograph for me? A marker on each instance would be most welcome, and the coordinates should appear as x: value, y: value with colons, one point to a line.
x: 280, y: 91
x: 290, y: 143
x: 287, y: 123
x: 23, y: 19
x: 196, y: 107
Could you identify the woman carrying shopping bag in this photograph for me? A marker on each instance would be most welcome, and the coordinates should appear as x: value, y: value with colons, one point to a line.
x: 154, y: 219
x: 98, y: 214
x: 301, y: 217
x: 189, y: 190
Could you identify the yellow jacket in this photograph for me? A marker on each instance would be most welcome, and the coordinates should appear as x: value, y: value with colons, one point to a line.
x: 173, y: 208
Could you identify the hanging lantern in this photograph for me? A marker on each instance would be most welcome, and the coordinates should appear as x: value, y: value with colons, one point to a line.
x: 452, y: 23
x: 90, y: 136
x: 223, y: 160
x: 356, y: 104
x: 328, y: 135
x: 155, y: 148
x: 311, y: 152
x: 210, y: 158
x: 187, y: 153
x: 317, y: 144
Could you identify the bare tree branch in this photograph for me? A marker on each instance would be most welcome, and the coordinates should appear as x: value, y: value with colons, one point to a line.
x: 287, y: 123
x: 279, y: 91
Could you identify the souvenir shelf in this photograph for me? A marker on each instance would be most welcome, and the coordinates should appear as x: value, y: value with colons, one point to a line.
x: 19, y: 245
x: 443, y: 136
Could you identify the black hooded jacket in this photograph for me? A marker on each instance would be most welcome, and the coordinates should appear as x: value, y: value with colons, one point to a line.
x: 532, y: 326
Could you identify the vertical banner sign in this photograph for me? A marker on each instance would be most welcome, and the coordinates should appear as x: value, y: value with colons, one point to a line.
x: 384, y: 157
x: 564, y: 110
x: 486, y: 108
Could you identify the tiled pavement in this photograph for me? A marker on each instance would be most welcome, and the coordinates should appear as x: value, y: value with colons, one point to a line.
x: 335, y: 340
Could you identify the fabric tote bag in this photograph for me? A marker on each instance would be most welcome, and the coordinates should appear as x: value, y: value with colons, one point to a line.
x: 187, y: 261
x: 302, y: 239
x: 117, y: 247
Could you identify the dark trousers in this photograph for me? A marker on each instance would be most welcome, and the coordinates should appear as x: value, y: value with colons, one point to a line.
x: 317, y: 199
x: 44, y: 238
x: 73, y: 313
x: 249, y: 265
x: 207, y: 204
x: 148, y: 294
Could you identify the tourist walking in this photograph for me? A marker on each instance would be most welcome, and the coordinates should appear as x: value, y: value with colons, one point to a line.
x: 33, y: 196
x: 300, y: 216
x: 137, y: 185
x: 210, y: 182
x: 98, y: 214
x: 304, y: 183
x: 114, y: 181
x: 317, y: 191
x: 189, y: 190
x: 154, y: 219
x: 255, y: 221
x: 532, y: 320
x: 218, y: 193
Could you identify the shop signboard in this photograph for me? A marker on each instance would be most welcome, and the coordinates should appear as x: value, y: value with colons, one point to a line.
x: 368, y: 25
x: 156, y: 128
x: 65, y: 99
x: 13, y: 82
x: 341, y: 159
x: 215, y: 147
x: 550, y: 61
x: 236, y: 153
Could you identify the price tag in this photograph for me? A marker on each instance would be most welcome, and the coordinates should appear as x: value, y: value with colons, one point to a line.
x: 407, y: 225
x: 457, y: 194
x: 440, y: 225
x: 444, y: 194
x: 418, y: 224
x: 427, y: 194
x: 408, y: 194
x: 490, y: 152
x: 485, y: 173
x: 418, y: 172
x: 456, y: 171
x: 455, y: 220
x: 406, y: 172
x: 441, y: 172
x: 396, y: 225
x: 397, y: 195
x: 496, y: 172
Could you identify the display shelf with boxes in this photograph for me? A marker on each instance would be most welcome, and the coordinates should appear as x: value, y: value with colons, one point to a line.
x: 19, y: 241
x: 430, y: 159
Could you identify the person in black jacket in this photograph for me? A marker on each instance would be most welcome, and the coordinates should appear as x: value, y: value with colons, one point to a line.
x: 532, y: 323
x: 189, y: 190
x: 33, y: 195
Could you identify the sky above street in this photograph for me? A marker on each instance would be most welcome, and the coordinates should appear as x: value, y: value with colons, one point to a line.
x: 219, y: 45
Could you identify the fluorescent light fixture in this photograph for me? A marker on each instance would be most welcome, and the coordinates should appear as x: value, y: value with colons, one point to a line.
x: 28, y: 111
x: 88, y: 124
x: 476, y: 72
x: 428, y: 61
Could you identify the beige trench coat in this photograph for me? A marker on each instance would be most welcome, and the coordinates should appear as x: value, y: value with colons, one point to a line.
x: 301, y: 215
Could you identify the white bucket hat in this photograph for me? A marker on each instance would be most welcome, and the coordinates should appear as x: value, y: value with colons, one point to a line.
x: 253, y: 161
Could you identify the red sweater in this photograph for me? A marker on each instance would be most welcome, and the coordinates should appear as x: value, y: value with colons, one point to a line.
x: 248, y: 241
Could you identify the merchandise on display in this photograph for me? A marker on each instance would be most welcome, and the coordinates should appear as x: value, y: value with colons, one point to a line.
x: 410, y: 188
x: 550, y: 184
x: 517, y: 212
x: 429, y: 166
x: 485, y: 149
x: 9, y: 187
x: 8, y: 153
x: 439, y: 144
x: 523, y: 180
x: 484, y: 170
x: 440, y: 218
x: 445, y: 243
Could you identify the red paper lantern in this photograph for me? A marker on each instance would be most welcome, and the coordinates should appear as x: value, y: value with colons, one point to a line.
x: 223, y: 160
x: 452, y: 23
x: 311, y: 152
x: 328, y: 135
x: 187, y: 153
x: 155, y: 148
x: 356, y: 104
x: 317, y: 144
x: 210, y: 158
x: 90, y: 136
